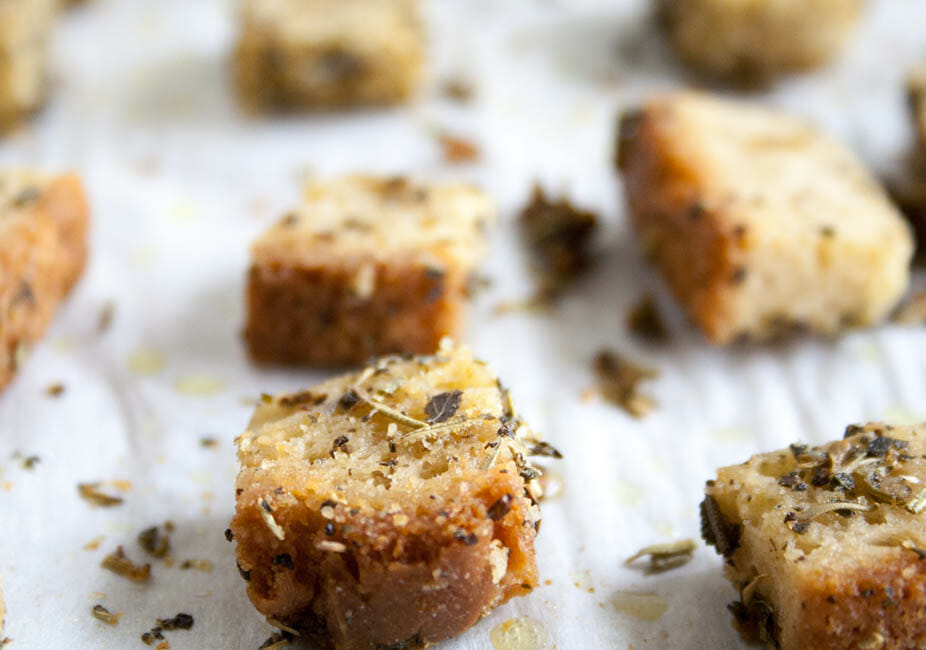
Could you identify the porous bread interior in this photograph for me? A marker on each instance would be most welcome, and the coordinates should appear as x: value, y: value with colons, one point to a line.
x: 352, y: 219
x: 384, y: 461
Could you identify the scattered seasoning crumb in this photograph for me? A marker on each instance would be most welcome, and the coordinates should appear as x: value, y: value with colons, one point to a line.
x: 457, y: 89
x: 229, y: 535
x: 90, y: 492
x: 101, y: 613
x: 618, y: 379
x: 458, y: 150
x: 55, y: 390
x: 152, y: 635
x: 208, y: 442
x: 179, y: 622
x: 154, y: 543
x: 912, y: 311
x: 119, y: 564
x: 558, y: 235
x: 106, y: 317
x: 276, y: 640
x: 29, y: 462
x: 663, y: 557
x: 645, y: 321
x: 94, y: 543
x: 199, y: 565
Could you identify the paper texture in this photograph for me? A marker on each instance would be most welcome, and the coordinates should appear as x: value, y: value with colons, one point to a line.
x: 181, y: 182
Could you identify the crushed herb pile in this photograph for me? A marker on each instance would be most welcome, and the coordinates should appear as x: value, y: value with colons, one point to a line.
x: 618, y: 382
x: 559, y: 237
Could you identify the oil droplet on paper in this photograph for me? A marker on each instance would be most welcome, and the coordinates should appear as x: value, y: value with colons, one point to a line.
x: 582, y: 580
x: 645, y: 606
x: 519, y: 634
x: 146, y: 362
x: 199, y: 385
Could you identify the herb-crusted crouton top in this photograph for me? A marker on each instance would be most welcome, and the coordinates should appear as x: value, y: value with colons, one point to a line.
x: 357, y: 218
x: 402, y: 433
x: 827, y: 503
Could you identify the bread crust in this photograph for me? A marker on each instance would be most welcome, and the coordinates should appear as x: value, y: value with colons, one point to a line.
x: 42, y: 254
x: 402, y: 588
x: 751, y: 258
x: 843, y: 582
x: 312, y: 315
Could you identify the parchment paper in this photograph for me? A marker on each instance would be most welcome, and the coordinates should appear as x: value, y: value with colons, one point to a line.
x: 181, y: 182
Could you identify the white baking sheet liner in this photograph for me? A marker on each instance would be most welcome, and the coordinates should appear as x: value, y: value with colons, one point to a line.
x: 180, y: 183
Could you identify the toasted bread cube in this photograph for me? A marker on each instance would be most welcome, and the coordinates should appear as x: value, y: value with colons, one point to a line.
x: 25, y: 26
x: 328, y: 53
x: 387, y: 508
x: 826, y: 544
x: 366, y: 266
x: 750, y: 41
x: 43, y: 232
x: 761, y: 225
